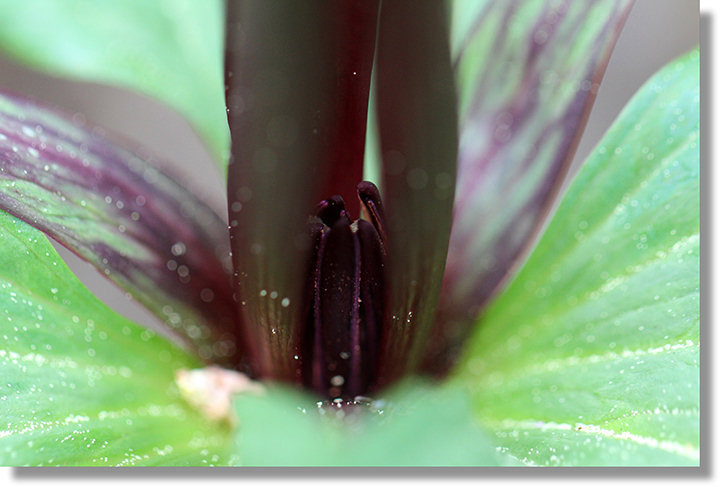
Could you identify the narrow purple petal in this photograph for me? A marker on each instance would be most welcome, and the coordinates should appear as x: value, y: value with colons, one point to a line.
x: 297, y: 77
x: 417, y: 123
x: 137, y: 226
x: 528, y: 73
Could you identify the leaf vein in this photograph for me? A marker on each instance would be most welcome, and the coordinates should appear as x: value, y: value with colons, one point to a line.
x: 687, y: 451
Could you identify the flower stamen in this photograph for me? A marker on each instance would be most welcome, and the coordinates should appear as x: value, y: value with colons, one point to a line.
x: 346, y: 298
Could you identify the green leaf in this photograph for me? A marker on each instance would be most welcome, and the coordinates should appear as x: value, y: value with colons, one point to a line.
x: 591, y: 355
x: 168, y: 49
x: 415, y: 425
x: 80, y: 385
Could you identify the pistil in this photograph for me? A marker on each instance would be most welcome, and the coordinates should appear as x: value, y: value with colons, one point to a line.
x: 345, y: 298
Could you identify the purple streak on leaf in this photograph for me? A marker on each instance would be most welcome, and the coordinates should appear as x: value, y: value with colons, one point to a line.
x: 297, y: 82
x: 417, y: 123
x: 137, y: 226
x: 528, y: 74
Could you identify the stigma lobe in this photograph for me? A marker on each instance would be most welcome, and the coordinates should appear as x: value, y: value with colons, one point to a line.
x: 345, y: 298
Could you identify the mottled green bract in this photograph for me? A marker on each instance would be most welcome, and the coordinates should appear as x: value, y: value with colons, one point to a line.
x: 80, y: 385
x: 413, y: 425
x: 169, y: 49
x: 591, y: 356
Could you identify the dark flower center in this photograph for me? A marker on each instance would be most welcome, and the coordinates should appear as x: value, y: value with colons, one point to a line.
x: 346, y: 297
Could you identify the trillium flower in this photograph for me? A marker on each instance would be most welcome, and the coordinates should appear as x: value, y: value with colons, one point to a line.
x: 326, y: 287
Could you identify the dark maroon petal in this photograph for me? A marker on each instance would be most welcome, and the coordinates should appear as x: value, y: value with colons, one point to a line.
x: 352, y: 30
x: 107, y: 204
x: 523, y: 113
x: 297, y: 77
x: 418, y: 138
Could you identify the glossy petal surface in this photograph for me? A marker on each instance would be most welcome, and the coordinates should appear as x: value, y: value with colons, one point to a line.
x: 135, y: 224
x: 527, y: 73
x: 292, y: 99
x: 418, y: 141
